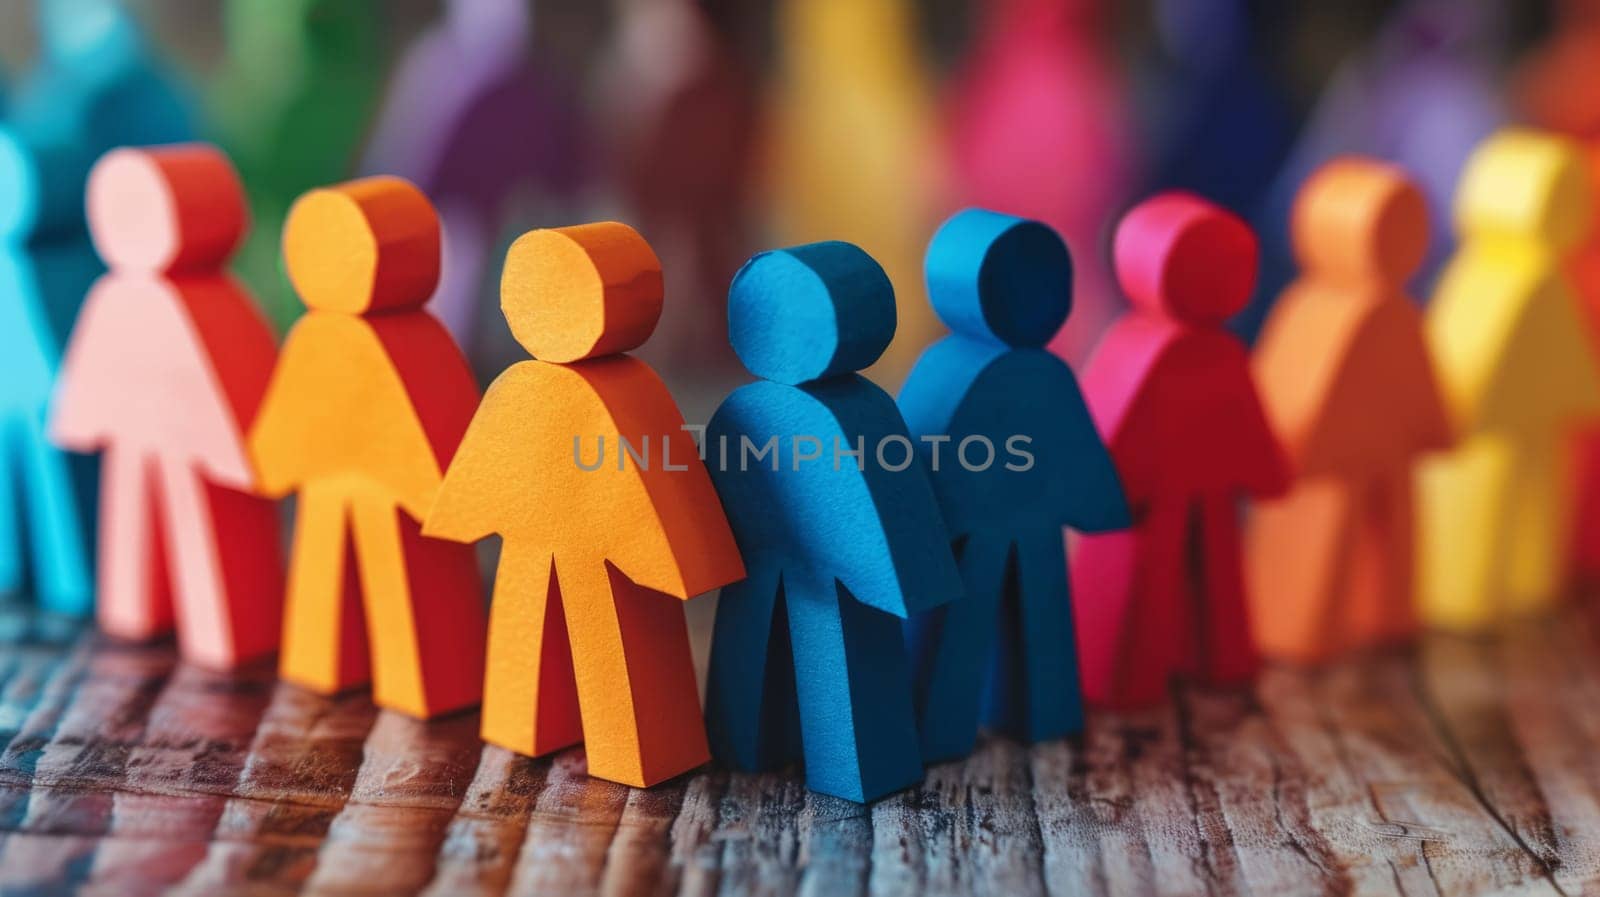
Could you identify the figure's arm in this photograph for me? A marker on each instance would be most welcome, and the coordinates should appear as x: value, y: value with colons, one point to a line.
x: 1095, y: 501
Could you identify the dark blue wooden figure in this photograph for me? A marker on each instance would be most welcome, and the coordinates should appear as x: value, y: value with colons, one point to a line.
x: 46, y: 267
x: 839, y: 547
x: 1014, y: 457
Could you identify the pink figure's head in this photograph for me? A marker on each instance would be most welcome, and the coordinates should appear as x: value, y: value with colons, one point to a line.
x: 1181, y: 256
x: 166, y: 210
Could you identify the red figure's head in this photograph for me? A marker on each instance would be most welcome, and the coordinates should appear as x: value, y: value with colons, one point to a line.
x: 1179, y: 255
x: 165, y: 210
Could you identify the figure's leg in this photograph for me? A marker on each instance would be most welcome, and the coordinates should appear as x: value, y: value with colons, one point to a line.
x: 530, y: 698
x: 1228, y: 654
x: 1461, y: 526
x: 226, y: 566
x: 1296, y: 559
x: 1048, y: 698
x: 854, y: 685
x: 1133, y: 608
x: 1381, y: 607
x: 324, y: 633
x: 135, y: 598
x: 13, y: 550
x: 61, y: 574
x: 636, y: 689
x: 750, y: 701
x: 954, y: 651
x: 1536, y: 534
x: 424, y: 609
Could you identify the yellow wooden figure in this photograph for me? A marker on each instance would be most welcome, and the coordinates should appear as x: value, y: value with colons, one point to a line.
x: 856, y: 149
x: 1518, y: 372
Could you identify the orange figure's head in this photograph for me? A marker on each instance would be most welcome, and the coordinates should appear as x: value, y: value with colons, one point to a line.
x: 166, y: 210
x: 369, y: 245
x: 1179, y: 255
x: 1359, y: 219
x: 1523, y: 184
x: 571, y: 293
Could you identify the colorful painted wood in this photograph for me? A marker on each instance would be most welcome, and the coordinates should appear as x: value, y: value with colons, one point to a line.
x: 1039, y: 94
x: 364, y: 412
x: 672, y: 72
x: 1172, y: 395
x: 476, y: 121
x: 1349, y: 388
x: 163, y: 375
x: 46, y: 267
x: 1014, y: 457
x: 1519, y: 372
x: 855, y: 148
x: 838, y: 546
x: 298, y: 86
x: 587, y: 637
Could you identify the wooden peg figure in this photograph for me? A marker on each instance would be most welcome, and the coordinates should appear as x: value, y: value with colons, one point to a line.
x: 298, y: 86
x: 163, y: 375
x: 1171, y: 392
x: 47, y: 265
x: 364, y: 413
x: 1349, y: 388
x: 1005, y: 652
x: 587, y: 635
x: 838, y: 525
x: 1510, y: 343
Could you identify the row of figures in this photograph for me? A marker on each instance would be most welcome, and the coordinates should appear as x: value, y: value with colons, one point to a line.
x: 894, y: 573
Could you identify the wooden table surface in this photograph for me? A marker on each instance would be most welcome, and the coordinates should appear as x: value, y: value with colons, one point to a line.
x: 1468, y: 767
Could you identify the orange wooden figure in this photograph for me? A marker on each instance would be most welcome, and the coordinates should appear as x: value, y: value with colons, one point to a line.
x: 362, y: 417
x: 1348, y: 385
x: 163, y: 375
x: 580, y: 462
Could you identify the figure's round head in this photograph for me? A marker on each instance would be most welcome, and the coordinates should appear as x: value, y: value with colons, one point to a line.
x: 1000, y: 277
x: 1526, y: 184
x: 1182, y: 256
x: 809, y: 312
x: 166, y: 209
x: 1360, y: 219
x: 368, y: 245
x: 571, y: 293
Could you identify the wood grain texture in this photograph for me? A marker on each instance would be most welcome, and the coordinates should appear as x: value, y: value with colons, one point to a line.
x: 1467, y: 767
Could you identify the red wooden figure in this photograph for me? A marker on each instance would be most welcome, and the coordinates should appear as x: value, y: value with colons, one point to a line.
x: 1171, y: 392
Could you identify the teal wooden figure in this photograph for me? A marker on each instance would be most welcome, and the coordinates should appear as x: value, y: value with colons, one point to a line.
x: 96, y: 85
x: 300, y: 83
x: 838, y: 526
x: 1014, y: 457
x: 46, y: 266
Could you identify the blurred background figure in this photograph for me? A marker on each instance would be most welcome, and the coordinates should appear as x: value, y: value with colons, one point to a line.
x: 672, y: 71
x: 290, y: 106
x: 855, y: 152
x: 1040, y: 127
x: 474, y: 119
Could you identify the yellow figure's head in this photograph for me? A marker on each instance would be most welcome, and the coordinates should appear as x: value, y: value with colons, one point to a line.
x: 1525, y: 184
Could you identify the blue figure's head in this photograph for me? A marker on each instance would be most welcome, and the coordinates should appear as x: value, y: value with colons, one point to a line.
x: 41, y: 187
x: 809, y: 312
x: 999, y: 277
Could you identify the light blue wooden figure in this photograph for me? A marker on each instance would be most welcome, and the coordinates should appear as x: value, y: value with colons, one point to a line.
x: 46, y: 267
x: 839, y: 547
x: 1014, y: 457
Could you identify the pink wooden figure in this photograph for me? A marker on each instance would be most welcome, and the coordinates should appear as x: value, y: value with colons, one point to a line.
x: 163, y: 375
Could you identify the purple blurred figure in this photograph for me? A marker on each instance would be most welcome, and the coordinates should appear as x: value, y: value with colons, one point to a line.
x: 1422, y: 95
x: 474, y: 121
